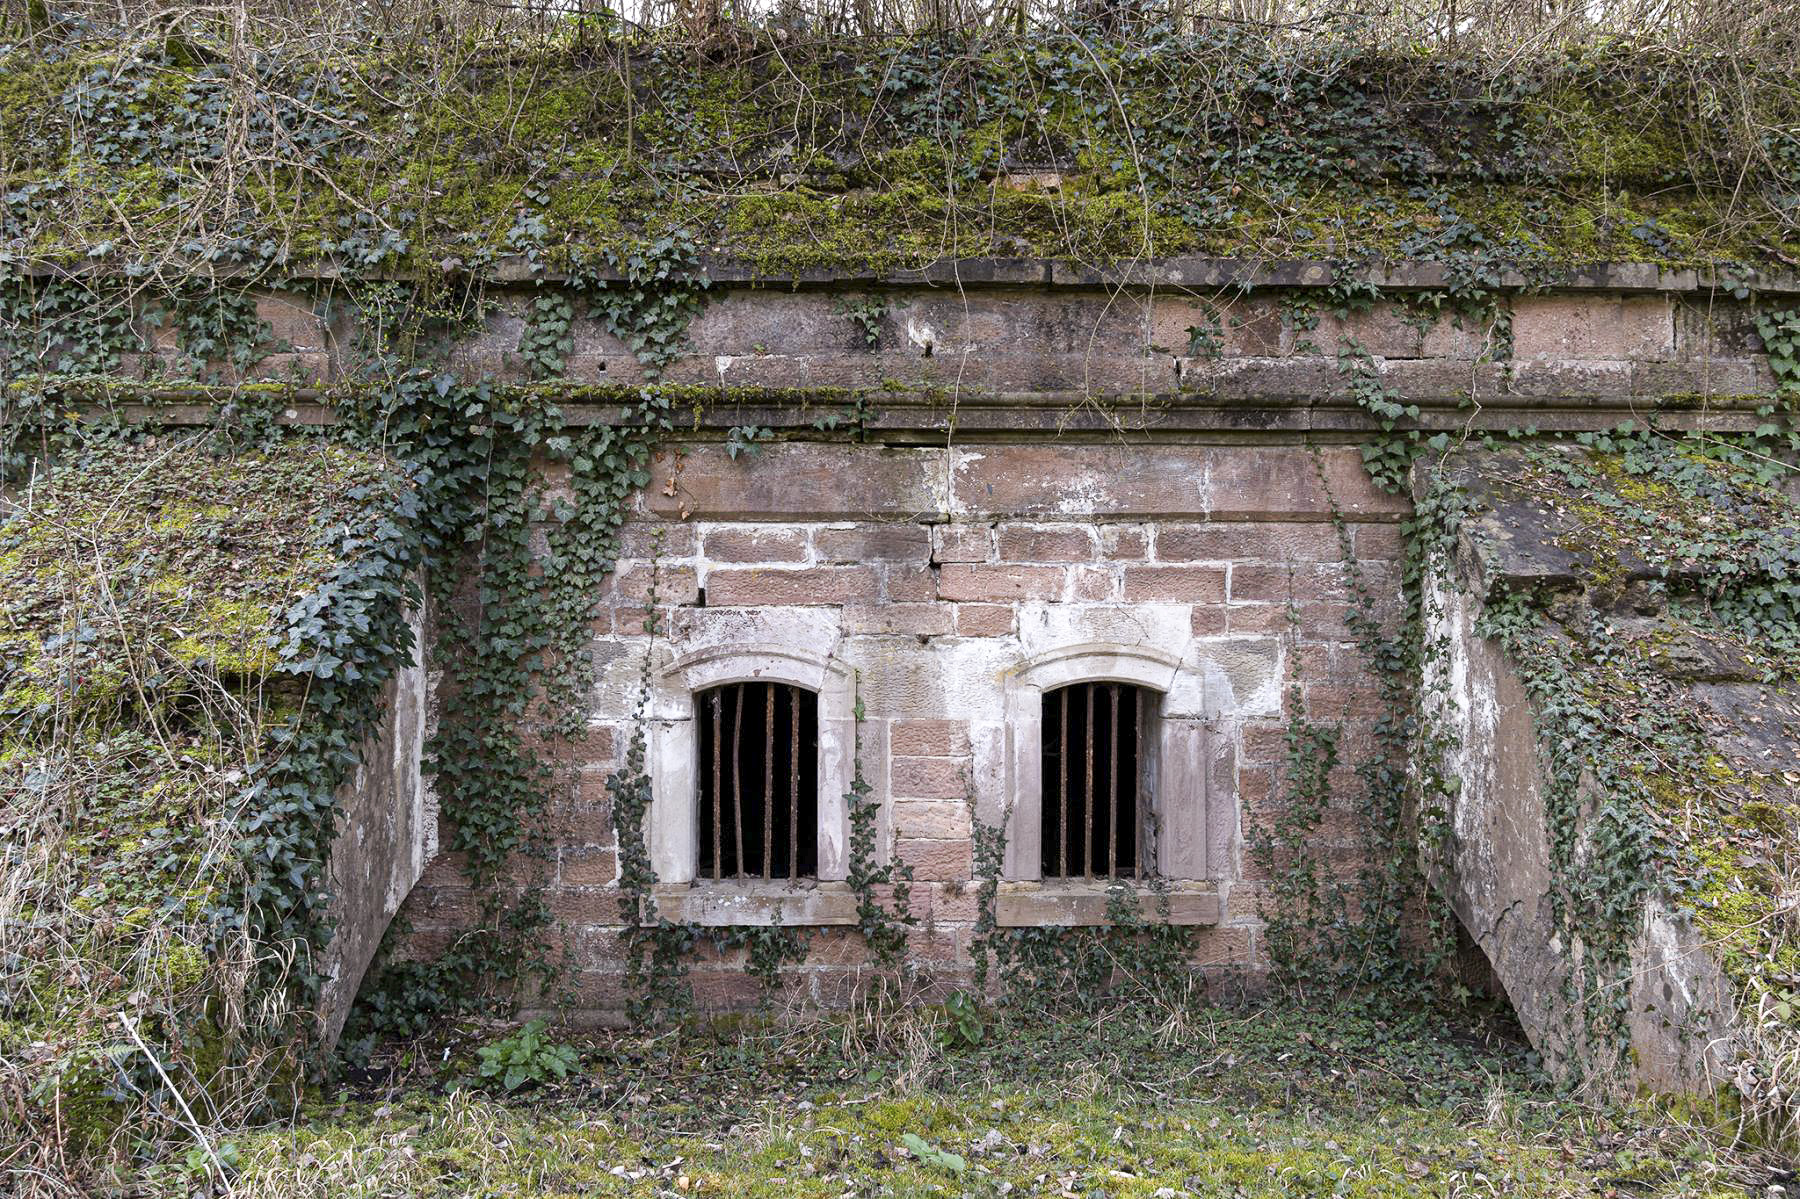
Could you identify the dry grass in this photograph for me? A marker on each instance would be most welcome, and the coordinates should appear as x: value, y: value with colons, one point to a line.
x: 1505, y: 27
x: 1767, y: 1072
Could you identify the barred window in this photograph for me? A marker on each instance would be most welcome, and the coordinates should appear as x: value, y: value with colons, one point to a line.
x: 1098, y: 771
x: 758, y: 781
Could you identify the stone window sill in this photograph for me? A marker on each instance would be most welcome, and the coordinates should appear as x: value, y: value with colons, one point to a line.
x: 716, y: 904
x: 1057, y: 905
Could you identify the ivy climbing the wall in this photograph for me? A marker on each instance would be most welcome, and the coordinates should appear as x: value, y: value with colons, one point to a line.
x: 883, y: 925
x: 513, y: 630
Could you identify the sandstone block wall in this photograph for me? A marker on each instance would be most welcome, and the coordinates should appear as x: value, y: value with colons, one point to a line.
x: 932, y: 577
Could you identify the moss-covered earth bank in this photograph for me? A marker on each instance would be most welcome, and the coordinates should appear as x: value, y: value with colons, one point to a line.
x: 561, y: 148
x: 165, y: 811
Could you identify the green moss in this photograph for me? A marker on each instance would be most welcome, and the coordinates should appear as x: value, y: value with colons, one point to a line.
x: 31, y: 89
x: 179, y: 515
x: 841, y: 172
x: 235, y: 638
x: 141, y: 589
x: 1609, y: 140
x: 1736, y: 903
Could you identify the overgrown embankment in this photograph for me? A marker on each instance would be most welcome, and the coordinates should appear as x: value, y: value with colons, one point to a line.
x: 200, y: 150
x: 191, y: 645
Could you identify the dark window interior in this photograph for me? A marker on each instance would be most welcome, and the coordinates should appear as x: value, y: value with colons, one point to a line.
x: 759, y: 803
x: 1093, y: 793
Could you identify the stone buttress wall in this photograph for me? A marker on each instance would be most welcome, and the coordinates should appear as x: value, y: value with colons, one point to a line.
x: 1498, y: 879
x: 387, y: 833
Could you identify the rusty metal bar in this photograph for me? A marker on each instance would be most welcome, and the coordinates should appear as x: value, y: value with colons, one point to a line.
x: 1137, y: 789
x: 794, y: 782
x: 718, y: 786
x: 1062, y: 823
x: 737, y: 777
x: 1112, y: 789
x: 1087, y: 858
x: 769, y: 782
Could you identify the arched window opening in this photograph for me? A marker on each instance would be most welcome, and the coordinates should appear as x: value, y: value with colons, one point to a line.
x: 1098, y: 769
x: 758, y: 782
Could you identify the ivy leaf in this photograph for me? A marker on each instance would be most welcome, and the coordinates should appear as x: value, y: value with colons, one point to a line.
x: 931, y: 1155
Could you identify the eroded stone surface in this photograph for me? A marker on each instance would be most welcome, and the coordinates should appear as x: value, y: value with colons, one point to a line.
x: 1703, y: 729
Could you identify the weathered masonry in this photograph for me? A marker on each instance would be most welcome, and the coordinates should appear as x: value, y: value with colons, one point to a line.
x: 1016, y: 551
x: 1083, y: 552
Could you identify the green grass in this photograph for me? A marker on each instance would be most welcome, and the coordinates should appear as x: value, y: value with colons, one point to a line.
x: 1216, y: 1102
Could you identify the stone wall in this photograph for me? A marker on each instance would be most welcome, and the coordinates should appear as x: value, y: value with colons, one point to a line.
x: 1057, y: 474
x: 934, y: 581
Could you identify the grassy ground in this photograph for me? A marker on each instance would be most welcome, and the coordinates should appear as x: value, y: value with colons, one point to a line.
x: 1214, y: 1102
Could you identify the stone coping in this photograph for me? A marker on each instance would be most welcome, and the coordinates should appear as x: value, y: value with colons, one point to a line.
x: 1182, y: 272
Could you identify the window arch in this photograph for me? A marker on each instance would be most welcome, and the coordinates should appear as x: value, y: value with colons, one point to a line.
x: 1160, y: 785
x: 686, y: 730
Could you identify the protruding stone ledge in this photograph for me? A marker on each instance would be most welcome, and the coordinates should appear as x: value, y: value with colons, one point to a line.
x: 899, y: 416
x: 759, y: 904
x: 1083, y: 905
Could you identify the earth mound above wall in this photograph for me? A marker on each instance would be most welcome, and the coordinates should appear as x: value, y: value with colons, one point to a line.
x: 1625, y: 722
x: 570, y: 154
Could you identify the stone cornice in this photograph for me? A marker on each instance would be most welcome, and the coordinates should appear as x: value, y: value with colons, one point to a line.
x: 930, y: 364
x: 1180, y: 273
x: 937, y: 416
